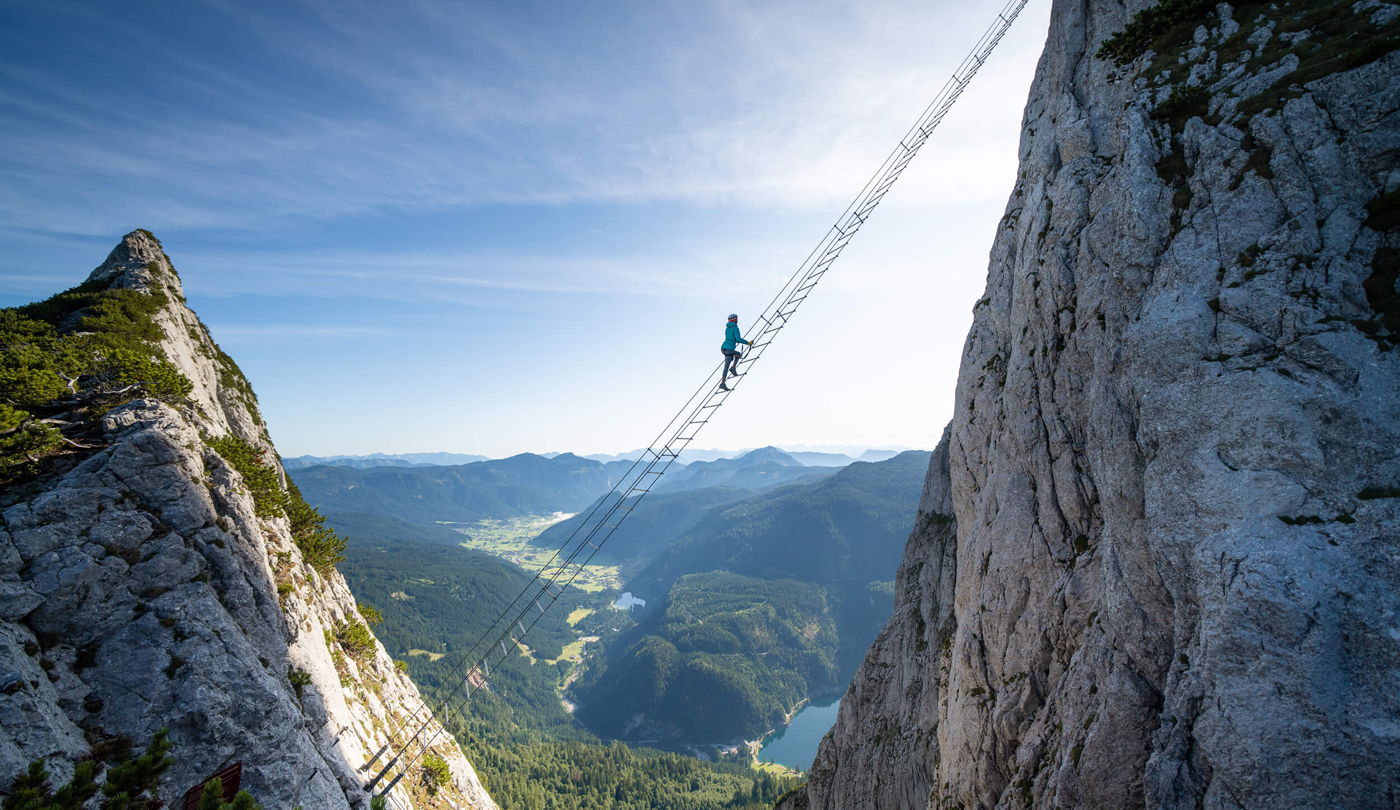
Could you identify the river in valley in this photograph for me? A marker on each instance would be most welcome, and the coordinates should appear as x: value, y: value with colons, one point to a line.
x: 795, y: 745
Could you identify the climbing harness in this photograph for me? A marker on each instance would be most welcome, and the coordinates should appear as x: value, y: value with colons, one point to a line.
x: 574, y: 555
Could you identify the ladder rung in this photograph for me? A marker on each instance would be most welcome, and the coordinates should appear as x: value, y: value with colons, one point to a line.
x: 380, y: 775
x: 375, y: 758
x: 391, y: 785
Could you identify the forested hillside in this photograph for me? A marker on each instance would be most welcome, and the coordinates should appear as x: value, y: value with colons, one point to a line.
x: 436, y: 597
x: 845, y: 532
x: 726, y: 658
x: 849, y: 527
x: 757, y: 602
x: 437, y: 600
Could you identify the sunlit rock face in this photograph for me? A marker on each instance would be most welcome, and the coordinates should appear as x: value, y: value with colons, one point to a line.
x: 141, y: 590
x: 1158, y: 555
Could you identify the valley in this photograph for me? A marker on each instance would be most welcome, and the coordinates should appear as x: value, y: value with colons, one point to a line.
x: 713, y: 657
x: 513, y: 540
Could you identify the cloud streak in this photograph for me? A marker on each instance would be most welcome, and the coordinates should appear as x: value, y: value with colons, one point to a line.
x: 429, y: 106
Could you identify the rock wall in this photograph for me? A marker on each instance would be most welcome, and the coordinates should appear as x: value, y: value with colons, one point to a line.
x: 1172, y: 579
x: 140, y: 590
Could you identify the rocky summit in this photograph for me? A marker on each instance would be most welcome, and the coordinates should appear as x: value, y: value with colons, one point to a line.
x: 1157, y: 559
x: 162, y: 578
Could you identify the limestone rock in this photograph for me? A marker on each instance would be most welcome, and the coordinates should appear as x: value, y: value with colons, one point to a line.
x: 1173, y: 576
x: 140, y: 590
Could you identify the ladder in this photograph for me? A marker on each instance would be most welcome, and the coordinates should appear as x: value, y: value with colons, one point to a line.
x: 587, y: 540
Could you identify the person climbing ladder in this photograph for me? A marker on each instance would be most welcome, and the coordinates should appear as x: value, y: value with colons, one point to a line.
x: 730, y: 347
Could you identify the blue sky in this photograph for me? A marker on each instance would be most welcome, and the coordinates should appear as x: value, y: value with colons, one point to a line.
x: 504, y: 227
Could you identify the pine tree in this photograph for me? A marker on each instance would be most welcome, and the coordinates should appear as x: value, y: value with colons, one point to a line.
x: 129, y: 785
x: 213, y: 798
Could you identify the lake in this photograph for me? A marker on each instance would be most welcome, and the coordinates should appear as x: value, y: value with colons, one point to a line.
x: 795, y: 745
x: 627, y: 601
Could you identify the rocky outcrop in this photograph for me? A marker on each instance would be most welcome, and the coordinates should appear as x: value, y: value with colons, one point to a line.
x: 142, y: 589
x: 1172, y: 577
x: 221, y: 402
x: 890, y: 711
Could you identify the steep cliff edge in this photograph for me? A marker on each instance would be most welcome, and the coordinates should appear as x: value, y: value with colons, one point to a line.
x: 1161, y: 566
x: 164, y: 576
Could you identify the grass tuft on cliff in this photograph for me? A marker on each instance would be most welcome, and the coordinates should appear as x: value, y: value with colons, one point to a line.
x: 1152, y: 24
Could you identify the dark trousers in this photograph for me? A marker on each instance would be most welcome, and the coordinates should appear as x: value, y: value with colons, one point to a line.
x: 731, y: 361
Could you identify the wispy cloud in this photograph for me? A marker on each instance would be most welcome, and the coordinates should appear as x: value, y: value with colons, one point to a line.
x: 521, y: 214
x: 425, y: 105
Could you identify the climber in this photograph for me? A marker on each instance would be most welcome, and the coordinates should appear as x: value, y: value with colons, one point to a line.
x: 731, y: 351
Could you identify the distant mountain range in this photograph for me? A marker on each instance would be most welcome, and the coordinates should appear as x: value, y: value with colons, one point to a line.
x: 756, y: 469
x: 518, y: 486
x: 381, y: 460
x: 680, y: 499
x: 809, y: 458
x: 528, y: 484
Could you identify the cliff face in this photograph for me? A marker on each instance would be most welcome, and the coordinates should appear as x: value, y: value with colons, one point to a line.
x: 1158, y: 556
x: 145, y: 588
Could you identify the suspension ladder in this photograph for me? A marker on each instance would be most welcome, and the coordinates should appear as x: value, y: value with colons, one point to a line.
x: 504, y: 635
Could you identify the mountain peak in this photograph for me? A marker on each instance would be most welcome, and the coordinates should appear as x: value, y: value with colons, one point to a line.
x: 223, y: 399
x: 138, y: 262
x: 213, y: 571
x: 770, y: 455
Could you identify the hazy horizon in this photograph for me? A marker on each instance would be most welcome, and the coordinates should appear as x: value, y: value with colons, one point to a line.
x: 838, y: 449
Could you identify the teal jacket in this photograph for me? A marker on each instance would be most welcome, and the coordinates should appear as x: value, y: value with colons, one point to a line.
x: 731, y: 336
